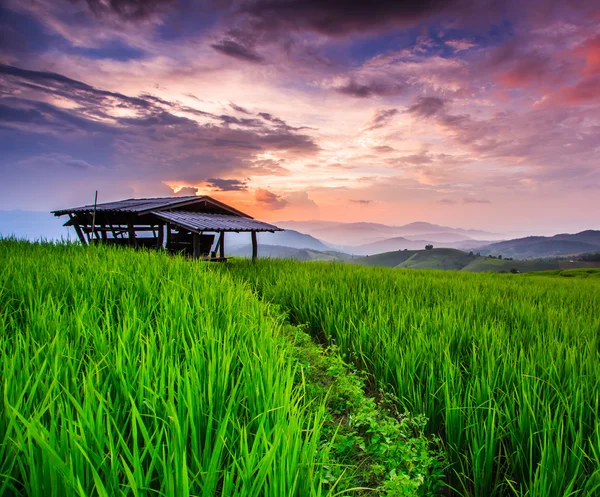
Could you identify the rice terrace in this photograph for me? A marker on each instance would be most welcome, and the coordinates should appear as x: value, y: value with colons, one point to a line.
x: 299, y: 248
x: 138, y: 373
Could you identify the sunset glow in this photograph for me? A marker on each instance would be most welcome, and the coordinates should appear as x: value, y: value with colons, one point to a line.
x: 477, y: 114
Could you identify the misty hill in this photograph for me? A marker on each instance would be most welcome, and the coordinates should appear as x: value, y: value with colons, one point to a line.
x: 420, y: 228
x: 440, y: 237
x: 288, y: 238
x: 279, y: 252
x: 532, y: 247
x: 34, y: 225
x: 389, y: 244
x: 356, y: 234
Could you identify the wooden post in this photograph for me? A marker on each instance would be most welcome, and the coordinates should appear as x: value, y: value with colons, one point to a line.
x: 78, y: 231
x: 161, y: 236
x: 132, y: 239
x: 222, y: 245
x: 168, y: 236
x: 196, y: 245
x: 94, y: 217
x: 254, y: 246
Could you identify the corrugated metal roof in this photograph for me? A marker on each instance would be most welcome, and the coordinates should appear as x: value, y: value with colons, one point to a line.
x: 141, y: 205
x: 130, y: 205
x: 199, y: 221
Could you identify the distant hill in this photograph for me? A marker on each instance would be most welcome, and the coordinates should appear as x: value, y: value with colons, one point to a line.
x: 440, y: 237
x: 437, y: 258
x: 387, y: 259
x: 356, y: 234
x: 420, y: 228
x: 441, y: 258
x: 533, y: 247
x: 279, y: 252
x: 288, y: 238
x: 452, y: 259
x: 483, y: 264
x: 389, y: 244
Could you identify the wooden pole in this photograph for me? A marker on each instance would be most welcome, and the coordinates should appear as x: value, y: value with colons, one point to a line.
x: 254, y: 246
x: 222, y: 245
x: 132, y: 239
x: 196, y: 245
x: 94, y: 216
x: 161, y: 236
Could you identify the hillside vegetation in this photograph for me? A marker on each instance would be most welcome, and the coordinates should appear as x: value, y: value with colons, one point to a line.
x: 442, y: 258
x: 506, y: 367
x: 453, y: 259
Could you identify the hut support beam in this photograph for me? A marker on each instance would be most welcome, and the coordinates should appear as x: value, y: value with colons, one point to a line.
x: 222, y: 245
x: 196, y: 245
x: 79, y: 232
x: 132, y: 239
x: 254, y: 246
x: 160, y: 240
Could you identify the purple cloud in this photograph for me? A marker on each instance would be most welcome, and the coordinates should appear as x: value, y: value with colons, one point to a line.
x: 227, y: 185
x: 427, y: 106
x: 371, y: 89
x: 238, y: 51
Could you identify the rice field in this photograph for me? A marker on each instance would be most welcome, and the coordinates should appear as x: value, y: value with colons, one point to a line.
x: 506, y: 367
x: 139, y: 374
x: 134, y: 373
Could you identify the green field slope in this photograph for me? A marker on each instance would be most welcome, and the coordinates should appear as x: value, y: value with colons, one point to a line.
x: 457, y: 260
x: 506, y: 367
x: 572, y: 273
x: 441, y: 258
x: 387, y: 259
x: 482, y: 264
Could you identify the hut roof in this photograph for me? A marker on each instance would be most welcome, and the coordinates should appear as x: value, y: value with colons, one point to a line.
x: 194, y: 213
x: 199, y: 221
x: 145, y: 205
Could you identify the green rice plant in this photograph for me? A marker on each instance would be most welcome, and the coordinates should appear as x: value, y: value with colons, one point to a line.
x: 139, y: 374
x: 505, y: 367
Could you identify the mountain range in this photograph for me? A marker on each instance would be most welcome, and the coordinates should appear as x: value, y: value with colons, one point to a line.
x: 328, y: 239
x: 346, y: 235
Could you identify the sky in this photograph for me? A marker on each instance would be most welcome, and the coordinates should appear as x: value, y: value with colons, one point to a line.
x: 470, y: 113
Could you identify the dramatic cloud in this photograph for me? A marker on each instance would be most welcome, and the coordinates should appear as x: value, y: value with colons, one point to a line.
x: 340, y: 17
x: 381, y: 119
x: 371, y: 89
x: 270, y: 200
x: 129, y: 10
x: 302, y: 109
x: 227, y: 185
x: 460, y: 45
x: 187, y: 191
x: 427, y: 106
x: 234, y: 49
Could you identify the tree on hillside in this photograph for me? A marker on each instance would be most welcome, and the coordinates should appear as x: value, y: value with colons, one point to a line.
x: 428, y: 247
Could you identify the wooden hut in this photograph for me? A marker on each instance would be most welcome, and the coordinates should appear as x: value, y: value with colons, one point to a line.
x: 187, y: 225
